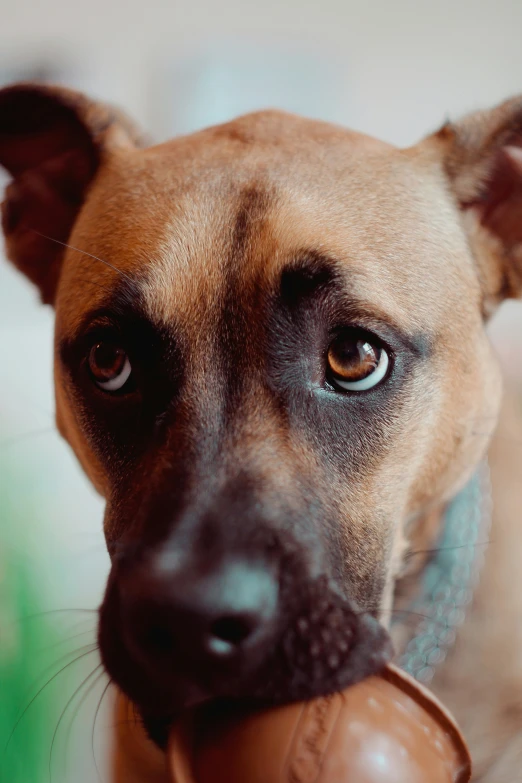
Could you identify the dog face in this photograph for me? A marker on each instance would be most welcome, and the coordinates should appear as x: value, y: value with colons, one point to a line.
x: 271, y: 361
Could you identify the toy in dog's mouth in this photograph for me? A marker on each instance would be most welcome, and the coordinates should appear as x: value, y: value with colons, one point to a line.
x: 322, y: 644
x: 386, y: 728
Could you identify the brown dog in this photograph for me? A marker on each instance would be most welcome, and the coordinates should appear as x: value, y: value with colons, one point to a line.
x: 271, y: 360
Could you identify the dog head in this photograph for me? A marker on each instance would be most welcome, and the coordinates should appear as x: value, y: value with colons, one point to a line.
x: 271, y: 361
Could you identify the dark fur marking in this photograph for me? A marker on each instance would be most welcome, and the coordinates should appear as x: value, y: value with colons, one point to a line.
x: 122, y: 427
x: 312, y: 273
x: 239, y: 321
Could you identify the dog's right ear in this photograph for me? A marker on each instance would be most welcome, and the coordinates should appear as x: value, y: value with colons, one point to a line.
x: 482, y: 160
x: 52, y: 141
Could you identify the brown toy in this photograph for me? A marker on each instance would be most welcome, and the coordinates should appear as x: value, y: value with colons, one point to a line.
x: 387, y: 729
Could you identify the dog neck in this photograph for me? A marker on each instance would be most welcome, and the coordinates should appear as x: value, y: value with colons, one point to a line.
x: 431, y: 602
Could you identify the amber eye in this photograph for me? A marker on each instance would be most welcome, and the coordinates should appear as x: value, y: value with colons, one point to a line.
x: 109, y: 366
x: 355, y: 363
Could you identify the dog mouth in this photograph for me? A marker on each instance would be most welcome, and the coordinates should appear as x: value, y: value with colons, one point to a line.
x: 324, y: 644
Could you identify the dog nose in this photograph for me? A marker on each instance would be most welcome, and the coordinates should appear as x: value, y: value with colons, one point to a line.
x: 200, y: 617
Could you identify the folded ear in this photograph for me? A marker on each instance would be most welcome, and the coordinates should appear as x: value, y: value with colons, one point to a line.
x: 52, y: 141
x: 483, y: 161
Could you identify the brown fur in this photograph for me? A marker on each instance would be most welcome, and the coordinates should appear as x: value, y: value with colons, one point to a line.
x: 424, y: 240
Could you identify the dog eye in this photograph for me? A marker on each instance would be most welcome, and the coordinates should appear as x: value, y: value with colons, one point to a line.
x: 109, y: 366
x: 355, y: 363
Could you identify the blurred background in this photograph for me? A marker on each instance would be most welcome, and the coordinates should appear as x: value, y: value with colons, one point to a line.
x: 391, y: 68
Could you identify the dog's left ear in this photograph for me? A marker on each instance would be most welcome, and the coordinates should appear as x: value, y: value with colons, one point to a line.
x: 52, y: 142
x: 482, y: 158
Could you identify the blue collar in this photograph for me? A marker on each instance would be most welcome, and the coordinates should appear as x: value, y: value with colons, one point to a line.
x: 449, y: 580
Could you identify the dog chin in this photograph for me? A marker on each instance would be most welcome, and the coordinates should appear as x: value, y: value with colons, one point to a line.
x: 324, y: 647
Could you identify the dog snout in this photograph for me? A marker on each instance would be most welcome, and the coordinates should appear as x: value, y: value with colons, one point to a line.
x: 197, y: 618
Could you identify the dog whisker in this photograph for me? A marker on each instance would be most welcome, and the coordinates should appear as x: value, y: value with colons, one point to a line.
x: 85, y: 253
x: 408, y: 617
x: 412, y: 615
x: 68, y: 639
x: 414, y: 553
x: 94, y: 727
x: 53, y: 665
x: 93, y: 648
x: 64, y: 711
x: 78, y: 707
x: 415, y: 616
x: 36, y: 615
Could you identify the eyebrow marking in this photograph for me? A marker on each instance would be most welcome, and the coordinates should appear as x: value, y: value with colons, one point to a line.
x: 126, y: 296
x: 124, y: 302
x: 311, y: 273
x: 315, y: 275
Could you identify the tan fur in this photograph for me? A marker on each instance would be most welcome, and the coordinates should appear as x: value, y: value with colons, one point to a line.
x: 415, y: 250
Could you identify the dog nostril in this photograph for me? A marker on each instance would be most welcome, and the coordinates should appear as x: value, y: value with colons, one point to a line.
x: 227, y: 633
x: 184, y: 619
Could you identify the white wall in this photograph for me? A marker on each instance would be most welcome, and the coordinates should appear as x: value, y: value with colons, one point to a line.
x: 391, y: 68
x: 404, y: 63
